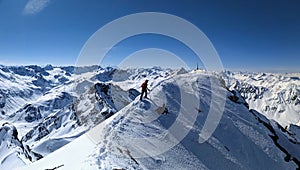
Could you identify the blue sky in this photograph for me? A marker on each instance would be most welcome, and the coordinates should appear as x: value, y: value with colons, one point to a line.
x: 248, y: 35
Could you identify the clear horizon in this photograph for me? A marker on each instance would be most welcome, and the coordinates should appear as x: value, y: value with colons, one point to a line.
x: 250, y: 36
x: 275, y: 71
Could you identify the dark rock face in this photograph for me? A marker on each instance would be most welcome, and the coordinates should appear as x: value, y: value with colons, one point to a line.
x: 9, y: 138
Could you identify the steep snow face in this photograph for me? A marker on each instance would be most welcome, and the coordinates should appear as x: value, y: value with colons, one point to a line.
x: 103, y: 92
x: 13, y: 153
x: 142, y: 134
x: 51, y: 106
x: 277, y: 96
x: 38, y: 103
x: 141, y: 137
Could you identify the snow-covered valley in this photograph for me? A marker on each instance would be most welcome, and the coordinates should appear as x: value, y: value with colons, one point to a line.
x: 92, y: 118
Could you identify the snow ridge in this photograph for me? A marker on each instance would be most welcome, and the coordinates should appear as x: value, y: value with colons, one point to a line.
x: 136, y: 137
x: 91, y: 118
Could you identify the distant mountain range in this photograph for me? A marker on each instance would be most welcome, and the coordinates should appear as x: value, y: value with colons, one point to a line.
x: 47, y: 111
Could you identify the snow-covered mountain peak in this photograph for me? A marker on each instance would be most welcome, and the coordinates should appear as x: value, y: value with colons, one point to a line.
x: 141, y: 134
x: 13, y: 152
x: 92, y: 116
x: 275, y: 95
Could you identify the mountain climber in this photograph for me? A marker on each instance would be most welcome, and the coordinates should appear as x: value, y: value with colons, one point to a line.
x: 144, y: 89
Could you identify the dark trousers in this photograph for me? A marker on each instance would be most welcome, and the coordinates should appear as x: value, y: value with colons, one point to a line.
x: 144, y: 91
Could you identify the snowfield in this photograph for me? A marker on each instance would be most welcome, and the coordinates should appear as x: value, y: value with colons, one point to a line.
x: 92, y: 118
x: 277, y: 96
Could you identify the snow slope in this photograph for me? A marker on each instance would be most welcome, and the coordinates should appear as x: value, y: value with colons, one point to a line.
x: 142, y: 134
x: 277, y: 96
x: 13, y: 152
x: 51, y: 106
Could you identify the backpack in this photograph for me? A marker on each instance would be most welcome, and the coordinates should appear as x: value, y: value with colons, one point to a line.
x: 144, y: 85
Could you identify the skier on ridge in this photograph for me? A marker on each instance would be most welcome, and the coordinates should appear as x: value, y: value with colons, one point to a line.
x: 144, y: 89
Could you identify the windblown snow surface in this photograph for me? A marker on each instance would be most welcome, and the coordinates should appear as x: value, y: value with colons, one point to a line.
x: 92, y: 118
x: 274, y: 95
